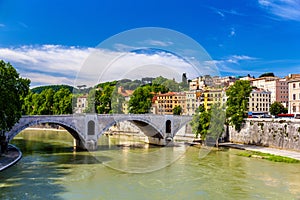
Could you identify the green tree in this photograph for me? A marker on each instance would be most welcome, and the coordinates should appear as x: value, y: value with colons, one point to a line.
x: 177, y: 110
x: 141, y: 100
x: 209, y: 124
x: 277, y: 108
x: 238, y: 97
x: 116, y: 103
x: 62, y: 102
x: 217, y: 122
x: 268, y: 74
x: 91, y: 107
x: 103, y: 99
x: 200, y: 122
x: 13, y: 91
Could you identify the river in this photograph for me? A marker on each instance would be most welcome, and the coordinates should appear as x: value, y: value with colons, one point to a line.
x: 124, y: 168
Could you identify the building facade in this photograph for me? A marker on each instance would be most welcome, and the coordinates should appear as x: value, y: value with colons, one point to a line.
x: 294, y: 96
x: 165, y: 103
x: 192, y: 101
x: 81, y: 104
x: 212, y: 96
x: 259, y: 101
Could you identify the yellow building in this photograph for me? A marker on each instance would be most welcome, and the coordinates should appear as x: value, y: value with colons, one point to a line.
x: 165, y: 103
x: 212, y: 96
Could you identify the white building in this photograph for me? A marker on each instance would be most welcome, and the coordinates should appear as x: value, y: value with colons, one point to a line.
x: 259, y: 101
x: 81, y: 104
x: 294, y: 96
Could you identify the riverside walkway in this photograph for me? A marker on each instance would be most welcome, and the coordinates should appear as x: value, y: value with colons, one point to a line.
x: 12, y: 156
x: 274, y: 151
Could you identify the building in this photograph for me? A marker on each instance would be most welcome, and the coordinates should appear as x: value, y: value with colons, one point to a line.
x: 81, y: 104
x: 164, y: 103
x: 126, y: 94
x: 294, y: 96
x: 201, y: 82
x: 193, y: 100
x: 212, y: 96
x: 259, y: 101
x: 277, y: 86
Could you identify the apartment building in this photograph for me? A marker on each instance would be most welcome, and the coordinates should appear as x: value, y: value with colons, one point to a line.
x: 294, y: 96
x: 164, y: 103
x: 81, y: 104
x: 193, y: 101
x: 277, y: 86
x: 212, y: 96
x: 259, y: 101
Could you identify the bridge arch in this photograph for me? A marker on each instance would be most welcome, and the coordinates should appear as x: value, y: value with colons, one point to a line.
x: 23, y: 125
x: 146, y: 126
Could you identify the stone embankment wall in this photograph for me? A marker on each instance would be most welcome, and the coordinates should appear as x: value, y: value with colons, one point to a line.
x: 278, y: 133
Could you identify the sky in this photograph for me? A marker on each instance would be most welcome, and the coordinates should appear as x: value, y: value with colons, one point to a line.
x: 51, y: 42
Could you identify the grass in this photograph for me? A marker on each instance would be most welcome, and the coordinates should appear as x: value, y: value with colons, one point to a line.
x: 268, y: 156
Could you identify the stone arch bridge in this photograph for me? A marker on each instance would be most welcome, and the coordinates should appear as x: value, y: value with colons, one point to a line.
x: 87, y: 128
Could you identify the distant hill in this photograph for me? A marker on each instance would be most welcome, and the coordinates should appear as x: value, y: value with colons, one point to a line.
x: 39, y: 89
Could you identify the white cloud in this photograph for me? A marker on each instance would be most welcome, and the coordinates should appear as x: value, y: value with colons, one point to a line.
x: 56, y: 64
x: 284, y: 9
x: 159, y: 43
x: 236, y: 59
x: 2, y: 25
x: 45, y: 60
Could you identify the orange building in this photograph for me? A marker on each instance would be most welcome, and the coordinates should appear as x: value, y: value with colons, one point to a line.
x: 165, y: 103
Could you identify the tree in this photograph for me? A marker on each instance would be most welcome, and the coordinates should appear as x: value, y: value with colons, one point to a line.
x: 209, y: 124
x: 104, y: 99
x: 277, y: 108
x: 62, y: 102
x: 217, y: 122
x: 116, y: 103
x: 268, y: 74
x: 13, y: 91
x: 140, y: 101
x: 238, y: 97
x: 200, y: 122
x: 177, y: 110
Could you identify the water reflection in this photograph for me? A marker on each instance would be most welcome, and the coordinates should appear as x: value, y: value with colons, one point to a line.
x: 51, y: 169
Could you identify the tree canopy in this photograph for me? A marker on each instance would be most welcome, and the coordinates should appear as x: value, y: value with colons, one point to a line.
x: 238, y: 97
x: 13, y: 90
x: 268, y: 74
x: 177, y: 110
x: 277, y: 108
x: 208, y: 124
x: 48, y: 102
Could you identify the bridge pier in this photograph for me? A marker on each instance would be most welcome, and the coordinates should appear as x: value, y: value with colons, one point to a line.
x: 157, y: 141
x: 90, y: 145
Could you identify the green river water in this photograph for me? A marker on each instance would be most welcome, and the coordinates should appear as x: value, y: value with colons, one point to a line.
x: 124, y: 168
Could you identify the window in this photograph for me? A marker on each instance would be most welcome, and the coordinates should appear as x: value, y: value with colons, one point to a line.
x: 294, y: 108
x: 294, y: 85
x: 294, y: 96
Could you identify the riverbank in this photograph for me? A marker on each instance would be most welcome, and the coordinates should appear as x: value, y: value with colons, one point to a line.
x: 12, y: 156
x: 277, y: 152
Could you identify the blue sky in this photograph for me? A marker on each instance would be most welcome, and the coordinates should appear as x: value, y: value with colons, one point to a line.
x: 48, y: 41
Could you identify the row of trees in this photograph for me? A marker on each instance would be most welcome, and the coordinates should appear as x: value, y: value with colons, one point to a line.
x: 48, y: 102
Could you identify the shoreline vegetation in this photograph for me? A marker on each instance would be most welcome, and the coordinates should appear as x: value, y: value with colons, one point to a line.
x: 267, y: 156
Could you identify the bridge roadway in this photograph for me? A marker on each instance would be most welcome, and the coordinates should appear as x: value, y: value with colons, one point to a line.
x: 87, y: 128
